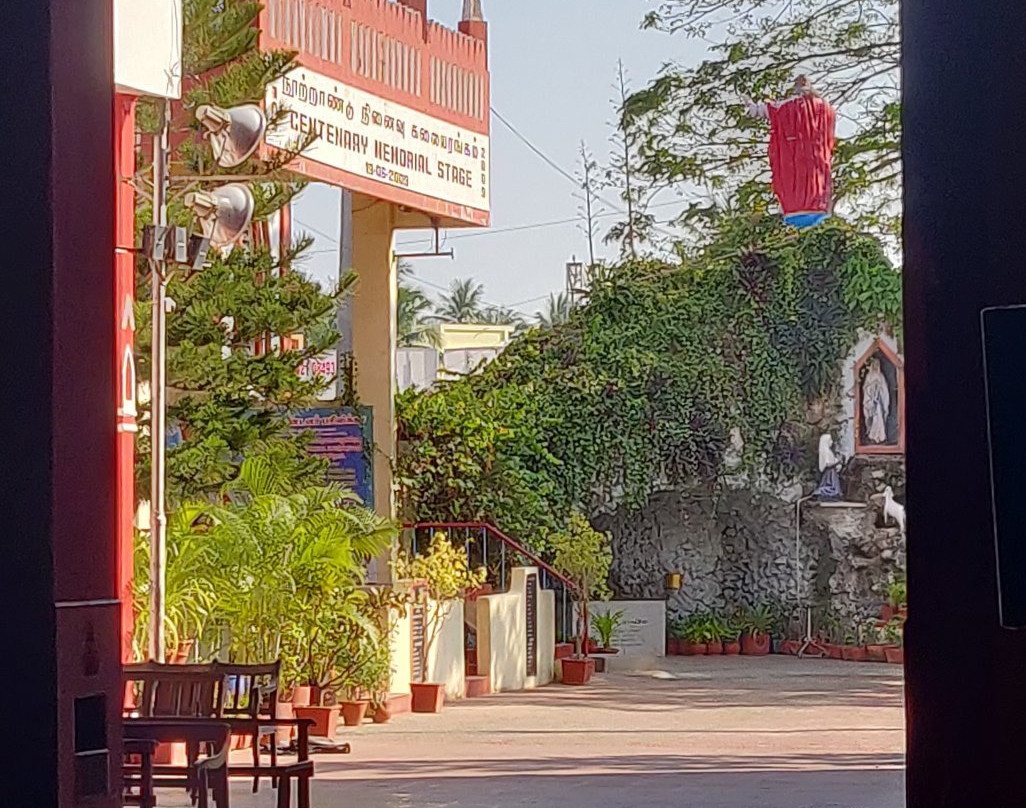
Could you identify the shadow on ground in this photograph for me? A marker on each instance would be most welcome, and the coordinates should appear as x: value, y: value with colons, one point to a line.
x: 647, y: 781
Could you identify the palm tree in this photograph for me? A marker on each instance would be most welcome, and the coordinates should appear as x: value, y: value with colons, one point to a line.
x: 497, y: 315
x: 557, y: 311
x: 463, y: 303
x: 413, y: 313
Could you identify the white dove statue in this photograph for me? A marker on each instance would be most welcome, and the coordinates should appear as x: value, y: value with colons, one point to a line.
x: 893, y: 509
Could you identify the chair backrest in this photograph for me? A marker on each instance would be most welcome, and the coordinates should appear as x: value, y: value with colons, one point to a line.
x: 247, y: 691
x: 172, y: 691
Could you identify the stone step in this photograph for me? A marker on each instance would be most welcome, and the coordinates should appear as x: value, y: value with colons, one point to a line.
x: 477, y: 686
x: 400, y: 703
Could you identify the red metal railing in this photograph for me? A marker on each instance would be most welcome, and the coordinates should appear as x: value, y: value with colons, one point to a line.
x: 489, y: 547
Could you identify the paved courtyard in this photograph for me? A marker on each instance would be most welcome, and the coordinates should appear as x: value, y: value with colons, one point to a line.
x: 707, y: 733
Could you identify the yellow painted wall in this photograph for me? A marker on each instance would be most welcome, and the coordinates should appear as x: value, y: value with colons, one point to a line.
x: 445, y: 663
x: 469, y: 336
x: 502, y: 636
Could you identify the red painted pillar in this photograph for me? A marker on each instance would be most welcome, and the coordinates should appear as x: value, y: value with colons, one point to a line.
x: 124, y: 297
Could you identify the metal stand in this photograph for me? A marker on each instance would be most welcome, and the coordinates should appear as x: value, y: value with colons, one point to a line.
x: 809, y: 641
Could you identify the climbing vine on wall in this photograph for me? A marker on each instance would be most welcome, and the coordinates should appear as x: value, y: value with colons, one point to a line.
x: 644, y: 385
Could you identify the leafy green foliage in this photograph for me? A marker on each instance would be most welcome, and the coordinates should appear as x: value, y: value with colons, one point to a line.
x: 445, y: 573
x: 557, y: 311
x: 413, y: 309
x: 275, y: 571
x: 229, y: 401
x: 464, y: 302
x: 583, y: 555
x: 643, y: 385
x: 606, y: 626
x: 698, y: 131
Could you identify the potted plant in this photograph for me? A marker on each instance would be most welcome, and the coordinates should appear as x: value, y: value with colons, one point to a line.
x: 894, y: 651
x: 755, y: 634
x: 876, y: 645
x: 606, y: 626
x: 732, y: 636
x: 445, y: 576
x: 584, y: 556
x: 695, y: 636
x: 715, y: 630
x: 368, y: 671
x: 897, y: 598
x: 853, y: 649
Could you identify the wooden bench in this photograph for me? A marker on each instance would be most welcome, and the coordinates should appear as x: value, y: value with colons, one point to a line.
x: 243, y: 696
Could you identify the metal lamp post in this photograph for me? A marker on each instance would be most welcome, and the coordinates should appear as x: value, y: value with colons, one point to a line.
x: 224, y: 214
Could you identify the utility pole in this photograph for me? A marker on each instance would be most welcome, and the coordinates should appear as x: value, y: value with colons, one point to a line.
x: 344, y: 317
x: 158, y: 397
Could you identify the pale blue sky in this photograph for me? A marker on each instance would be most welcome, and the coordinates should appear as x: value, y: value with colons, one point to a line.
x: 553, y: 66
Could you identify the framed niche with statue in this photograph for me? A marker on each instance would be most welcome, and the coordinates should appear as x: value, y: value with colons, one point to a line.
x: 880, y: 402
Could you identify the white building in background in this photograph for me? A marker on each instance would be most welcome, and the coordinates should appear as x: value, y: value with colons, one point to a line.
x: 462, y: 349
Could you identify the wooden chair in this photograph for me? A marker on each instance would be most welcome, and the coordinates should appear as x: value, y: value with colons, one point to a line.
x: 172, y: 691
x: 251, y: 691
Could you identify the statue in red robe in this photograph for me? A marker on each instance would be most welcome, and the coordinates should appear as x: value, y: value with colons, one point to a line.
x: 802, y: 140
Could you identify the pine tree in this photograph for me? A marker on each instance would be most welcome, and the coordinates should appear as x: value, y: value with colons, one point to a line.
x: 228, y: 399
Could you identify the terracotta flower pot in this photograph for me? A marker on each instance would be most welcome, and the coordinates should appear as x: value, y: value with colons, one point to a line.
x: 790, y: 647
x: 714, y: 648
x: 732, y: 648
x: 672, y: 646
x: 564, y: 649
x: 895, y: 655
x: 578, y: 671
x: 876, y: 653
x: 834, y: 651
x: 283, y: 735
x: 755, y: 644
x: 325, y: 720
x: 854, y: 653
x: 381, y: 714
x: 695, y: 648
x: 302, y: 696
x: 353, y: 712
x: 427, y: 697
x: 886, y: 613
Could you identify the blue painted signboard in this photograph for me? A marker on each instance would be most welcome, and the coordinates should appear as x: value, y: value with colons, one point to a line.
x: 343, y: 437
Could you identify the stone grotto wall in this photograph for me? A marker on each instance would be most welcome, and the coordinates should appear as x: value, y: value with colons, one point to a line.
x: 738, y: 547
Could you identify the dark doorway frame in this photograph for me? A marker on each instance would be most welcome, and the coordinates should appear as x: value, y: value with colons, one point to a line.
x: 965, y: 195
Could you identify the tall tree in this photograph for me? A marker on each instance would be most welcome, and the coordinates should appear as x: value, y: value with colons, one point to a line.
x: 463, y: 303
x: 698, y: 134
x: 502, y: 315
x: 624, y: 175
x: 413, y: 310
x: 228, y: 397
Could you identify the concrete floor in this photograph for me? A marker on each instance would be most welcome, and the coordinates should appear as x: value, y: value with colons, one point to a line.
x: 698, y: 732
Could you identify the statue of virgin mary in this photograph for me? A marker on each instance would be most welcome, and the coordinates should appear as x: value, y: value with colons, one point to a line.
x: 876, y: 402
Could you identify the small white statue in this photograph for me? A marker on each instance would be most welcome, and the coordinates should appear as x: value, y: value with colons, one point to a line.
x: 829, y: 466
x: 876, y: 402
x: 893, y: 509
